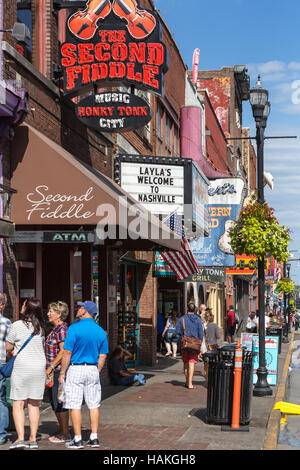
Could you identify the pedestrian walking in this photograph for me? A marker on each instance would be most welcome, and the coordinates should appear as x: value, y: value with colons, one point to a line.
x: 296, y: 320
x: 57, y: 314
x: 202, y: 311
x: 190, y: 325
x: 212, y: 336
x: 85, y: 350
x: 230, y: 324
x: 170, y: 335
x: 251, y: 324
x: 27, y: 383
x: 119, y: 374
x: 5, y: 325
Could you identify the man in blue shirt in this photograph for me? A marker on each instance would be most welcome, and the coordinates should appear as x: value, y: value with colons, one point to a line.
x: 85, y: 350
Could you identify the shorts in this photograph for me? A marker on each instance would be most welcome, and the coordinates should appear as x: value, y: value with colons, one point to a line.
x: 171, y: 337
x: 82, y: 382
x: 56, y: 405
x: 188, y: 356
x: 230, y: 330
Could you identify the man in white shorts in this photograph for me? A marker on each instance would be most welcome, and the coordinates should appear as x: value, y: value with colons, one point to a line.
x: 85, y: 350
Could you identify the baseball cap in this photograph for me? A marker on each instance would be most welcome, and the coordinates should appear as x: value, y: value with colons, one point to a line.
x: 89, y: 306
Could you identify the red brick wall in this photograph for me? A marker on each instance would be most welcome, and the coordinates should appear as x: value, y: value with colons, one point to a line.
x: 55, y: 118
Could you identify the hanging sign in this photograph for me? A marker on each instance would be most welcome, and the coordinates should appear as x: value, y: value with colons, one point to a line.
x: 196, y: 57
x: 114, y: 111
x: 246, y: 265
x: 112, y: 43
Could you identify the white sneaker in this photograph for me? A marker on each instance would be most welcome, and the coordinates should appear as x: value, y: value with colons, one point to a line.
x: 74, y: 444
x: 19, y: 445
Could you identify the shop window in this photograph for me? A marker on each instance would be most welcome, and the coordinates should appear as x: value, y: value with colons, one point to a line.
x: 159, y: 122
x: 95, y: 263
x: 176, y: 141
x: 24, y: 15
x: 77, y: 278
x: 190, y: 294
x: 168, y: 145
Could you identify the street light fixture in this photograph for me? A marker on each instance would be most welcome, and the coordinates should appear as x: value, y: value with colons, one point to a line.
x: 261, y: 110
x: 288, y: 267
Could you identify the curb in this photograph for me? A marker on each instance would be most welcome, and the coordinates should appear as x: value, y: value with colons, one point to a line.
x: 273, y: 425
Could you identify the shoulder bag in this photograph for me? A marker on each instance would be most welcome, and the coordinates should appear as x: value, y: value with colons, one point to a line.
x: 6, y: 370
x: 190, y: 344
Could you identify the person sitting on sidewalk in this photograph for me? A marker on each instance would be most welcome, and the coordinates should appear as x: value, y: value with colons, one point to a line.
x: 119, y: 374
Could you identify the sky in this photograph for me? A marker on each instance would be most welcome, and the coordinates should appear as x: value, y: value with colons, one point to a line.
x: 265, y: 36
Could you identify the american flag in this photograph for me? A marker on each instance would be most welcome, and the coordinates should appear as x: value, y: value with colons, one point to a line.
x: 182, y: 263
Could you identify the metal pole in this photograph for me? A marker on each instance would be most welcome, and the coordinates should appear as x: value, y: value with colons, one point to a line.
x: 285, y: 338
x: 261, y: 388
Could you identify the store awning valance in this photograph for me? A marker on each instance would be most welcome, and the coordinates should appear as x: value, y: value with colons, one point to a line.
x: 56, y: 188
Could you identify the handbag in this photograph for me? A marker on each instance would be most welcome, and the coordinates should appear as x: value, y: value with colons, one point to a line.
x: 7, y: 369
x: 190, y: 344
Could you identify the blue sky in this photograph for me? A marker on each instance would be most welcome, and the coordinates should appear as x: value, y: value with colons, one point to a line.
x: 265, y: 36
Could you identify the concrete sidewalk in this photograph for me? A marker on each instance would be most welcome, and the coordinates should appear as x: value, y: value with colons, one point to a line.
x: 164, y: 415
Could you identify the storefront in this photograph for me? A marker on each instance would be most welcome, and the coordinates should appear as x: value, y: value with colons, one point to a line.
x: 62, y: 251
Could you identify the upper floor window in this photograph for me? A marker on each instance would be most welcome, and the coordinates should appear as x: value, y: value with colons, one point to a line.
x: 24, y: 15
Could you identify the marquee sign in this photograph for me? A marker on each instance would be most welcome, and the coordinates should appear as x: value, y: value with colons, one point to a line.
x: 113, y: 42
x: 114, y: 111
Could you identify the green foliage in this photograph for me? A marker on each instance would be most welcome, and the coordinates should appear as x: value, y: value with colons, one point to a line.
x: 285, y: 286
x: 258, y: 233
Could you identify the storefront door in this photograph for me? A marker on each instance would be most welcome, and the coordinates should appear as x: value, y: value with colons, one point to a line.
x: 128, y: 310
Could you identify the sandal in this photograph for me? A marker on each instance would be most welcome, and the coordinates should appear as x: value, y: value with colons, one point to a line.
x: 168, y: 354
x: 58, y: 439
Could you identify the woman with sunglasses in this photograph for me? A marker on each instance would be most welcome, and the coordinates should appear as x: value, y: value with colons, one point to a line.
x: 57, y: 314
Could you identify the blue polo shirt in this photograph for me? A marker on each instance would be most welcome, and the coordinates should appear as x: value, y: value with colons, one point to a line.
x: 86, y: 340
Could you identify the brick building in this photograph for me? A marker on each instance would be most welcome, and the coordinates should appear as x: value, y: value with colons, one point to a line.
x: 54, y: 152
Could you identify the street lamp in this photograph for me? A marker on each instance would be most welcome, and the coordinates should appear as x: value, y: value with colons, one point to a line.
x: 261, y: 110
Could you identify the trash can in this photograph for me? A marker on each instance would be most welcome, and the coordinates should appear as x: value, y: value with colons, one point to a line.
x: 221, y: 383
x: 275, y: 330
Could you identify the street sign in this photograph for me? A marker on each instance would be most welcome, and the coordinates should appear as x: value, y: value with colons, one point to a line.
x: 208, y: 275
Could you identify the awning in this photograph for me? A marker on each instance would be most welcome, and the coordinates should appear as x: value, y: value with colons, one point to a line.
x: 56, y: 188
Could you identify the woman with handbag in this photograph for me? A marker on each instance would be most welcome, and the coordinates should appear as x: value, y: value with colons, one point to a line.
x: 57, y: 314
x: 27, y: 383
x: 190, y: 328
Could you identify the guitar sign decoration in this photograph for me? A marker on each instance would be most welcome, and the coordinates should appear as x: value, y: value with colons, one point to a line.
x: 113, y: 42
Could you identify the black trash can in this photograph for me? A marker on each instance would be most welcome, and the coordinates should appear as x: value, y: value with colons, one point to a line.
x: 275, y: 330
x: 221, y: 383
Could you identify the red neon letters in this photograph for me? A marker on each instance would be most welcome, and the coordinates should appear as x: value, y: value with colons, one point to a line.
x: 112, y: 59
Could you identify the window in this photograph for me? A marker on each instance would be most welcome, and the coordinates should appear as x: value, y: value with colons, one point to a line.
x: 168, y: 144
x: 159, y: 129
x: 24, y: 15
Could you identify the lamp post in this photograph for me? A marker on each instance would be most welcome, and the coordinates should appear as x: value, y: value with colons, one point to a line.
x: 261, y: 109
x: 288, y: 267
x: 285, y: 338
x: 286, y: 301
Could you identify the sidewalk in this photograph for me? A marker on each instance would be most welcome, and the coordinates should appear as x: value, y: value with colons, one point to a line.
x: 164, y: 415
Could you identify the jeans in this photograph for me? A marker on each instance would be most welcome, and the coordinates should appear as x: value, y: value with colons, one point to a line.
x: 4, y: 416
x: 130, y: 379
